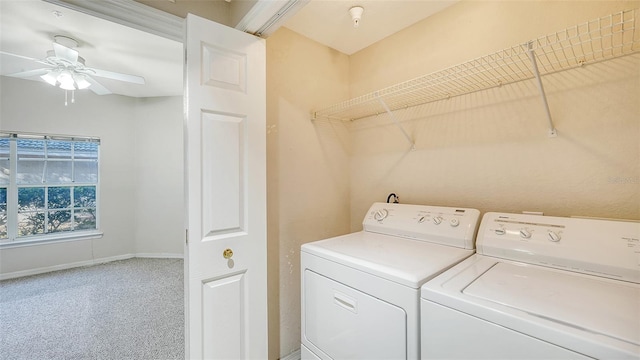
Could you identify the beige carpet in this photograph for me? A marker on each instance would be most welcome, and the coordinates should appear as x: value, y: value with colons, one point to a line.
x: 129, y: 309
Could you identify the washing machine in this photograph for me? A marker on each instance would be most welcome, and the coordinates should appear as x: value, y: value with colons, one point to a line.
x: 538, y: 287
x: 361, y: 291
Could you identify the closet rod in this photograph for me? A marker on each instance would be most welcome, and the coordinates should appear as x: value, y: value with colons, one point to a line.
x: 545, y: 104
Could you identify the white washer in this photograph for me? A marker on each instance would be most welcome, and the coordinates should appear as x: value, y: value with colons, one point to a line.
x: 361, y: 291
x: 538, y: 288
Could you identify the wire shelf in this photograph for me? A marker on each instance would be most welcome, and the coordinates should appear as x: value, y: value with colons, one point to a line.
x: 596, y: 40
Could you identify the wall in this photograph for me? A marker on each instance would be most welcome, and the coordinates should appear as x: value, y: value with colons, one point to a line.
x: 29, y: 106
x: 489, y: 150
x: 307, y: 170
x: 159, y: 156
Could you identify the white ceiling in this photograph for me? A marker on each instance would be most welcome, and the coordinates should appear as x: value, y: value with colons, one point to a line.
x: 27, y: 28
x: 329, y: 22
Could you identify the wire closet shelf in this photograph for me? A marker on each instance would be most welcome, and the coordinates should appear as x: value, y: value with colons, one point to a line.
x: 593, y: 41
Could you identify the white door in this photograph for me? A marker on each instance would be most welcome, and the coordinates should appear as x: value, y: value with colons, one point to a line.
x: 225, y: 255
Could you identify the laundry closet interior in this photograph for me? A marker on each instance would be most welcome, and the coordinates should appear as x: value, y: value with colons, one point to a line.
x: 488, y: 149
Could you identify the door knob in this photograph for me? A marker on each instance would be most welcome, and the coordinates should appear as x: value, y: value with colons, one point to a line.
x: 227, y: 253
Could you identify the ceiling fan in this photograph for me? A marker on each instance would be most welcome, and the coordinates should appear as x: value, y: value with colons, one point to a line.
x: 65, y: 68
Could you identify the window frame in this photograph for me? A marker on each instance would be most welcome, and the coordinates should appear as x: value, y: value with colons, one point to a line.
x: 14, y: 239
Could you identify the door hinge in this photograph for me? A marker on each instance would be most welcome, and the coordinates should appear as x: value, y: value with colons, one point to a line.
x: 186, y: 236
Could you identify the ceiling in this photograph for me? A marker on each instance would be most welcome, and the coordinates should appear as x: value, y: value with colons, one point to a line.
x: 329, y: 22
x: 27, y: 29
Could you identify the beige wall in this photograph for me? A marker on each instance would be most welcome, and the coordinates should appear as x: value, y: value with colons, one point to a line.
x: 307, y: 170
x: 489, y: 150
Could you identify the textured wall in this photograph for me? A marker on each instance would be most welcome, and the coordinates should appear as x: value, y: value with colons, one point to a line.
x: 307, y: 170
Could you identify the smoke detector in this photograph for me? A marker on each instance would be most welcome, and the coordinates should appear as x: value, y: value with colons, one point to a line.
x: 356, y: 15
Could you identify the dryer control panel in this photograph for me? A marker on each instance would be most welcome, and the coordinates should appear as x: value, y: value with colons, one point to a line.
x: 440, y: 225
x: 606, y: 248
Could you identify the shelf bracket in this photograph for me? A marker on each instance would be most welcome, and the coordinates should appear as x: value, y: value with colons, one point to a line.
x: 395, y: 121
x: 536, y: 72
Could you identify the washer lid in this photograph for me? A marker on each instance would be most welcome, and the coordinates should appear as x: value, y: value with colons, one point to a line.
x: 602, y: 306
x: 405, y: 261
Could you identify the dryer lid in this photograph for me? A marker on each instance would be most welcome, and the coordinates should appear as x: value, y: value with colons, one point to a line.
x: 405, y: 261
x: 602, y: 306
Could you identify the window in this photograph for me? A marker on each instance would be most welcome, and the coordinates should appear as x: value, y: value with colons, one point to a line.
x: 48, y: 187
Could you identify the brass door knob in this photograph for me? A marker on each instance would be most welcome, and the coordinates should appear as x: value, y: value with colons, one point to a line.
x: 227, y: 253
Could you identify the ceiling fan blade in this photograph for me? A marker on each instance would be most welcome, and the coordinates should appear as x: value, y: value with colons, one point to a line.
x: 66, y: 53
x: 117, y: 76
x: 29, y: 73
x: 96, y: 87
x: 24, y: 57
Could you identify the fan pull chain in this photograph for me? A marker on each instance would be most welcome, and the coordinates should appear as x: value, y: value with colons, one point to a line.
x: 66, y: 97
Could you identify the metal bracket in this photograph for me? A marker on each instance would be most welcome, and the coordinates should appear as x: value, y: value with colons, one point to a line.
x: 536, y: 72
x: 395, y: 121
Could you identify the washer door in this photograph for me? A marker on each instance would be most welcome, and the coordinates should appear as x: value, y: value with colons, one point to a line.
x: 347, y: 324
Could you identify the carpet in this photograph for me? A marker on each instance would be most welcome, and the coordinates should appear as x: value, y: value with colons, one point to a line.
x: 129, y: 309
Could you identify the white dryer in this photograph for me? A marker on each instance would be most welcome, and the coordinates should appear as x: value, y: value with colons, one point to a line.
x: 538, y: 288
x: 361, y: 291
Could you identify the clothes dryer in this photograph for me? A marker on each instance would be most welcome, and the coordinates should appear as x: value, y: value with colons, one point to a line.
x: 361, y: 291
x: 538, y: 288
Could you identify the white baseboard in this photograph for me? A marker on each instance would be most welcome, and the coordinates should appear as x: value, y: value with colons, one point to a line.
x: 293, y: 356
x: 159, y: 256
x: 46, y: 269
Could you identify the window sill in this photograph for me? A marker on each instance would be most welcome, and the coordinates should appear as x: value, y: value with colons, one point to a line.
x: 51, y: 239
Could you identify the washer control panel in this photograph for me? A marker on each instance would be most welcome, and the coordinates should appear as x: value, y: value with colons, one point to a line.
x: 525, y: 230
x: 443, y: 225
x: 608, y: 248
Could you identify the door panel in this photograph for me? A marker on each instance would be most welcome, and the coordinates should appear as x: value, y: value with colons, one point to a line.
x: 226, y: 295
x: 223, y: 304
x: 223, y: 134
x: 224, y: 68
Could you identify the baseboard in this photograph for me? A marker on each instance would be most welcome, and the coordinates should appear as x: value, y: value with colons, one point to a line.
x: 159, y: 256
x: 46, y: 269
x: 293, y: 356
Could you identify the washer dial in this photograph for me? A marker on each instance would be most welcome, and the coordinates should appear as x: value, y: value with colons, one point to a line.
x: 553, y: 236
x: 381, y: 214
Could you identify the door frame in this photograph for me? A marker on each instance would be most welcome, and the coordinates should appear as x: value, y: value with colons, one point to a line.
x: 132, y: 14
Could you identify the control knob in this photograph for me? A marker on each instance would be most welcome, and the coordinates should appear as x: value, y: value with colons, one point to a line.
x: 525, y: 234
x: 553, y: 236
x: 500, y: 231
x: 380, y: 214
x: 437, y: 220
x: 454, y: 222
